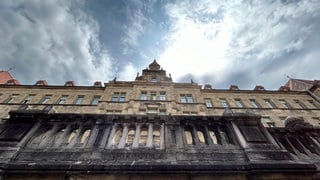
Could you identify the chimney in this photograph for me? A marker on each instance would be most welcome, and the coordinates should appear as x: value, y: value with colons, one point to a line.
x: 70, y: 83
x: 12, y: 82
x: 259, y: 88
x: 234, y: 87
x: 207, y: 86
x: 41, y: 83
x: 284, y: 88
x: 97, y: 84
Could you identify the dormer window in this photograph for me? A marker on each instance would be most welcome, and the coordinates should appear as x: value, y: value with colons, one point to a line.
x: 153, y: 79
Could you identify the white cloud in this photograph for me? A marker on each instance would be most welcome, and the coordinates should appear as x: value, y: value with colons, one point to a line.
x: 53, y: 40
x: 217, y: 39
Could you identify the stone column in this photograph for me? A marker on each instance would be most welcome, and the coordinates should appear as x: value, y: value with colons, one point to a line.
x: 150, y: 135
x: 30, y: 134
x: 221, y: 136
x: 162, y: 136
x: 64, y: 135
x: 113, y: 131
x: 46, y: 142
x: 241, y: 139
x: 207, y: 136
x: 195, y: 137
x: 124, y: 136
x: 292, y: 146
x: 135, y: 143
x: 105, y: 136
x: 77, y: 137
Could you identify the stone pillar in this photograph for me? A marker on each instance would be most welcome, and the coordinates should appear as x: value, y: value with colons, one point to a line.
x: 113, y: 131
x: 46, y: 142
x: 64, y: 135
x: 122, y: 142
x: 77, y: 137
x: 135, y: 143
x: 292, y: 146
x: 162, y: 136
x: 239, y: 135
x: 195, y: 137
x: 105, y: 136
x: 207, y: 136
x: 29, y: 135
x: 150, y: 135
x: 221, y: 136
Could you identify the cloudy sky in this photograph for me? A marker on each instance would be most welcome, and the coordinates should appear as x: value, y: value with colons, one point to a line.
x: 243, y: 42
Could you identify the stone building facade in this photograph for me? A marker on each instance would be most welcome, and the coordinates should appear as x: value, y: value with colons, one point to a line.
x: 153, y: 127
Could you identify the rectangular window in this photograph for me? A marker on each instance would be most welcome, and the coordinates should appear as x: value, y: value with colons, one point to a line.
x: 284, y: 103
x: 269, y: 103
x: 224, y: 103
x: 115, y: 96
x: 239, y: 103
x: 268, y: 121
x: 300, y: 104
x: 11, y: 98
x: 153, y: 96
x: 162, y: 112
x: 79, y: 99
x: 119, y: 97
x: 28, y: 99
x: 162, y: 96
x: 122, y: 97
x: 208, y: 103
x: 254, y: 103
x: 143, y: 95
x: 45, y: 99
x: 95, y: 100
x: 62, y: 99
x: 152, y: 111
x: 186, y: 98
x: 315, y: 104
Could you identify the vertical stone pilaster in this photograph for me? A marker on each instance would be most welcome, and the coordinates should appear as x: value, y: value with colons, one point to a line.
x: 207, y: 136
x: 124, y: 136
x: 150, y: 135
x: 162, y: 136
x: 77, y: 137
x: 63, y: 136
x: 47, y: 140
x: 241, y: 139
x: 112, y: 133
x: 195, y: 137
x: 135, y: 143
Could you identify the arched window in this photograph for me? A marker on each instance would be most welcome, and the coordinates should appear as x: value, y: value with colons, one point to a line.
x: 117, y: 136
x: 40, y: 136
x: 188, y: 135
x: 72, y: 135
x: 55, y: 138
x: 143, y: 136
x: 201, y: 136
x: 213, y: 137
x: 85, y: 136
x: 156, y: 136
x: 130, y: 137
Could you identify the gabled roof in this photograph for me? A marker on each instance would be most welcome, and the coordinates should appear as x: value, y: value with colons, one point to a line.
x: 5, y: 76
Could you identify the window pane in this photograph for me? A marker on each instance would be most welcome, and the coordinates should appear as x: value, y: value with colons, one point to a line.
x: 239, y: 103
x: 188, y: 135
x: 95, y: 100
x: 208, y: 103
x: 79, y: 99
x: 201, y: 137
